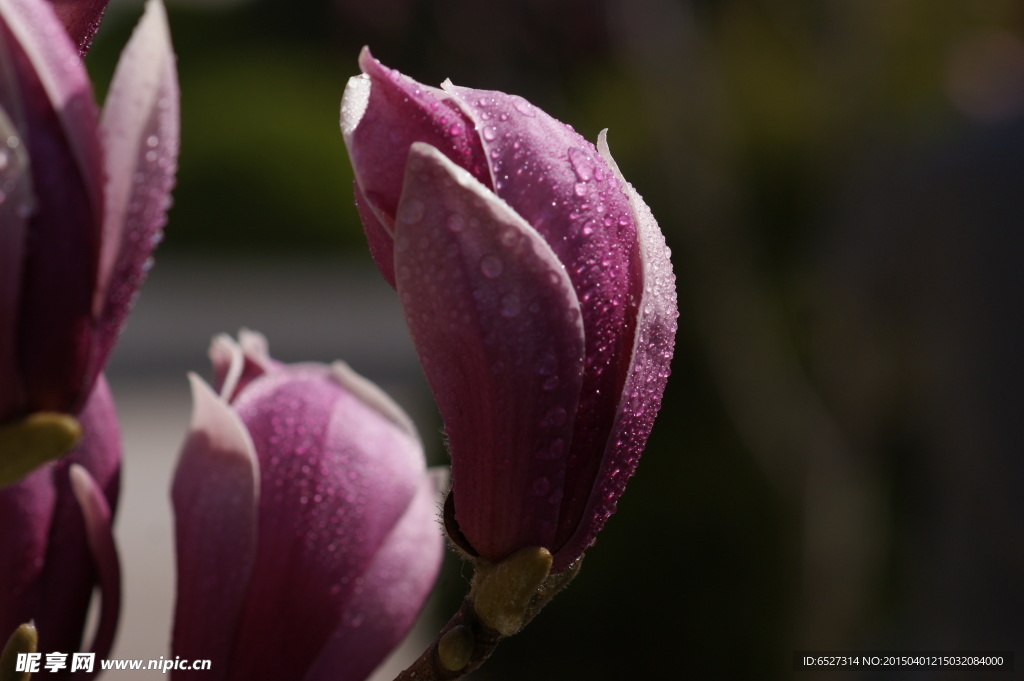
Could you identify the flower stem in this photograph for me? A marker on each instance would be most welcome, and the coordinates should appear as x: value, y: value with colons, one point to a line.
x: 503, y: 598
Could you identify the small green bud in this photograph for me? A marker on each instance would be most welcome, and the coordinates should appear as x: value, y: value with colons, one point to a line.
x: 23, y: 640
x: 455, y: 648
x: 502, y: 591
x: 29, y: 442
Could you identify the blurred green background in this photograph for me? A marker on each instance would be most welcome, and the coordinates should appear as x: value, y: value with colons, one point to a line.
x: 838, y: 462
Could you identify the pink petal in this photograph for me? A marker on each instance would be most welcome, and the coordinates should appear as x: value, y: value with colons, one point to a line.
x: 81, y: 18
x: 382, y: 114
x: 645, y: 380
x: 56, y: 117
x: 557, y: 182
x: 53, y: 56
x: 139, y: 129
x: 389, y: 594
x: 329, y: 464
x: 236, y: 364
x: 379, y: 230
x: 497, y: 327
x: 215, y: 496
x: 98, y: 519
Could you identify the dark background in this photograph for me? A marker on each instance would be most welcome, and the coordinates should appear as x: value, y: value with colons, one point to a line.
x: 838, y: 461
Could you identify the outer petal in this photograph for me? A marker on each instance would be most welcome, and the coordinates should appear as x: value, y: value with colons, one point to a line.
x: 497, y: 327
x: 557, y: 182
x: 646, y: 379
x: 59, y: 130
x: 98, y: 518
x: 81, y: 18
x: 388, y: 596
x: 79, y: 555
x: 329, y: 464
x: 215, y: 495
x: 379, y: 230
x: 235, y: 365
x: 26, y: 511
x: 140, y: 134
x: 382, y: 114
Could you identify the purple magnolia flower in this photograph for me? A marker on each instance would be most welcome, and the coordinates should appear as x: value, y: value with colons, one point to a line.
x: 83, y: 199
x: 56, y: 543
x: 307, y: 537
x: 539, y: 294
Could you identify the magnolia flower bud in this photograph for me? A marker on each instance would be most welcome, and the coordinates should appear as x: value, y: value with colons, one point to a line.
x: 539, y: 294
x: 56, y: 541
x: 83, y: 198
x: 307, y: 538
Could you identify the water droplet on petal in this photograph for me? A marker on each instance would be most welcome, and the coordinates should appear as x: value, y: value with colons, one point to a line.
x: 510, y: 305
x: 581, y: 164
x: 455, y: 222
x: 491, y: 266
x: 523, y: 106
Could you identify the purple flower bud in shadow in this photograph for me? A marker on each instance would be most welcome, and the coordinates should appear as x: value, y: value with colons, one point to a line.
x: 307, y: 535
x: 83, y: 199
x: 56, y: 541
x: 539, y: 294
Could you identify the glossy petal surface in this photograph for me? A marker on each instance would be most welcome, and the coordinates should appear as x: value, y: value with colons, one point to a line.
x: 497, y: 327
x: 215, y: 495
x: 297, y: 485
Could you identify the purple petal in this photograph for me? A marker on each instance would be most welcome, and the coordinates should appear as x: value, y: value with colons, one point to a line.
x: 215, y: 496
x: 81, y: 18
x: 26, y: 511
x: 98, y: 520
x: 77, y: 554
x: 389, y: 594
x: 55, y: 104
x: 16, y: 191
x: 378, y: 229
x: 236, y: 364
x: 336, y: 476
x: 382, y: 114
x: 139, y: 129
x: 557, y: 182
x: 497, y: 327
x: 646, y: 379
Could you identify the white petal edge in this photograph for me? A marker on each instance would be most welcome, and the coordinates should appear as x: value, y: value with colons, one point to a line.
x: 144, y: 81
x: 370, y: 394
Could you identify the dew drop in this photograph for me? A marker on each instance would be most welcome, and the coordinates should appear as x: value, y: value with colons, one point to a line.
x: 580, y: 189
x: 490, y: 132
x: 581, y: 164
x: 523, y: 106
x: 510, y: 305
x: 491, y: 266
x: 455, y: 222
x: 556, y: 416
